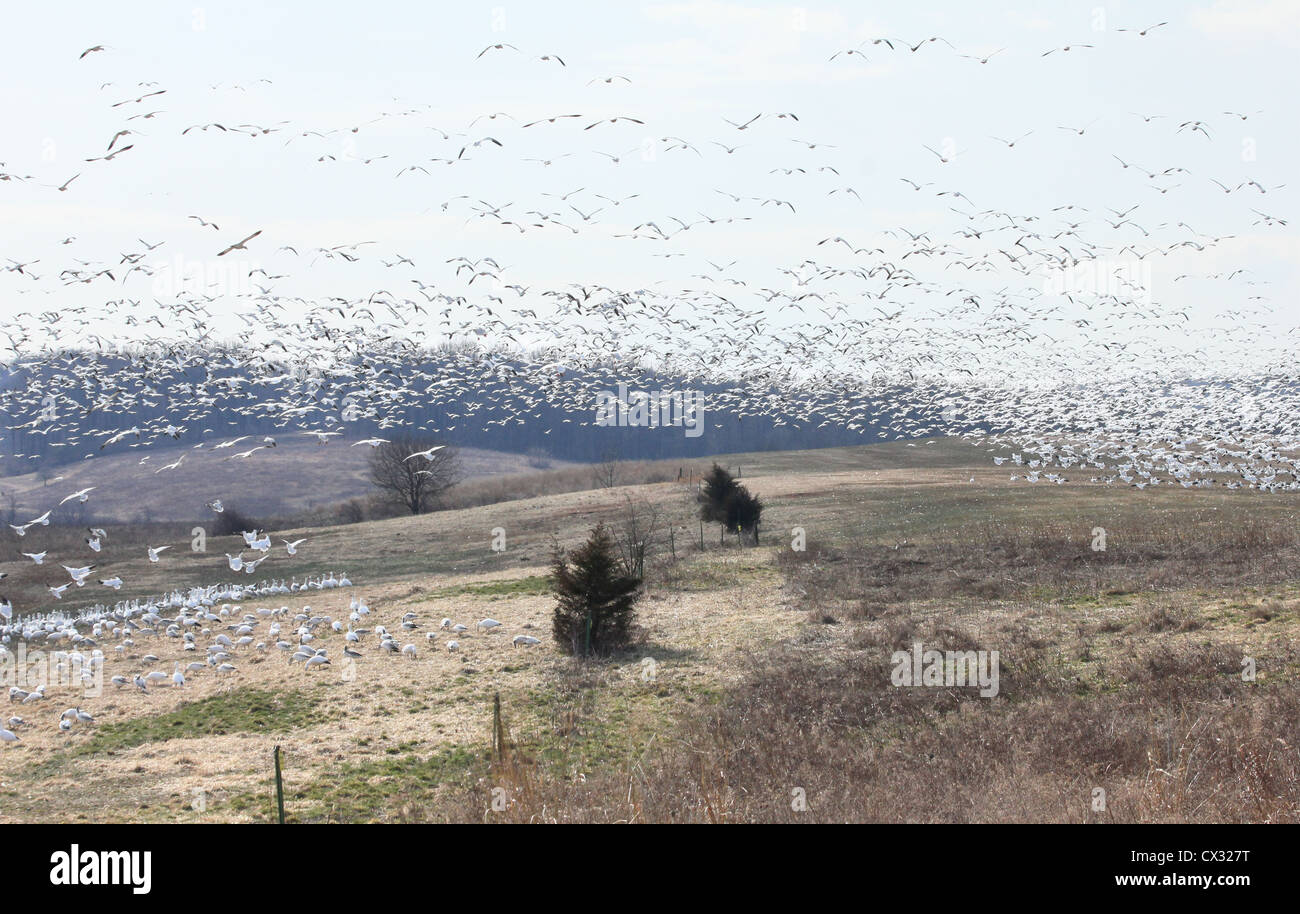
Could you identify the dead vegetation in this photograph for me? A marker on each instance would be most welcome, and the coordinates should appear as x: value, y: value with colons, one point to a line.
x: 1149, y: 713
x: 1121, y: 670
x: 998, y: 562
x: 814, y: 731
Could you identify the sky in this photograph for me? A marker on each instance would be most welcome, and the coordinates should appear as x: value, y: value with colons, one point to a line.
x: 356, y: 93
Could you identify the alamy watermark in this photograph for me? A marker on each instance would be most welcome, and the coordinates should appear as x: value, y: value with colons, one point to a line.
x: 651, y: 409
x: 29, y: 670
x: 920, y: 667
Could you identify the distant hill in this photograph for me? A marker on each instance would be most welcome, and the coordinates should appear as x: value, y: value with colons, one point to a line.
x: 210, y: 400
x: 294, y: 477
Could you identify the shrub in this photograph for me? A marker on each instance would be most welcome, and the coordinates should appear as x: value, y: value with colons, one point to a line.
x: 595, y: 599
x: 232, y: 522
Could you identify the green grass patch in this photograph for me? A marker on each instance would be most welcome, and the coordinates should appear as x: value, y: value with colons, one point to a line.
x: 533, y: 585
x: 242, y: 711
x: 375, y: 791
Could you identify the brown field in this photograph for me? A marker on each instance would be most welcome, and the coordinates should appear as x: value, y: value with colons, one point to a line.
x: 277, y: 482
x: 761, y: 674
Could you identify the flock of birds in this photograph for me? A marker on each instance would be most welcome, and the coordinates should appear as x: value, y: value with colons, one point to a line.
x: 1035, y: 331
x: 202, y: 615
x: 78, y: 574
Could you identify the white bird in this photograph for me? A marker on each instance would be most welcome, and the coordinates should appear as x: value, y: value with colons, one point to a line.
x: 487, y: 624
x: 37, y: 557
x: 79, y: 575
x: 8, y: 736
x: 154, y: 552
x: 293, y: 547
x: 426, y: 454
x: 526, y: 640
x: 453, y: 646
x: 81, y: 496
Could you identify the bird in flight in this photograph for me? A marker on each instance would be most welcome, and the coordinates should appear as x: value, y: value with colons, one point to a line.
x: 1065, y: 48
x: 613, y: 120
x: 239, y: 245
x: 1011, y: 143
x: 1143, y: 32
x: 80, y: 496
x: 111, y: 155
x: 427, y: 454
x: 943, y: 159
x: 986, y: 58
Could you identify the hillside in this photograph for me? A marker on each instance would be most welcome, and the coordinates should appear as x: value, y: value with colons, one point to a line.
x: 762, y: 665
x: 294, y: 477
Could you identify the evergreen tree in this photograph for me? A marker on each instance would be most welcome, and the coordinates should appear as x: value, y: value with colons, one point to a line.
x: 743, y: 512
x: 718, y: 488
x: 595, y: 598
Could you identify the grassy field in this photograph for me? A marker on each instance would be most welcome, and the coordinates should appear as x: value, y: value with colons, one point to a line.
x: 759, y: 687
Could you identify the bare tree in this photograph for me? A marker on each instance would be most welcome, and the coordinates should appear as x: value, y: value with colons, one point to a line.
x: 636, y: 535
x: 607, y: 470
x: 409, y: 473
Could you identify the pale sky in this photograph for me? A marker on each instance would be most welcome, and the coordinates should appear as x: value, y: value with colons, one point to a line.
x: 692, y: 66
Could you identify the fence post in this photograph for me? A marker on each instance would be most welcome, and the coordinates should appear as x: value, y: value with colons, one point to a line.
x: 496, y: 726
x: 279, y: 786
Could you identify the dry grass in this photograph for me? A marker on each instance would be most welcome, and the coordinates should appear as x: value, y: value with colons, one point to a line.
x: 1165, y: 726
x: 296, y: 478
x: 1119, y: 670
x: 1045, y: 560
